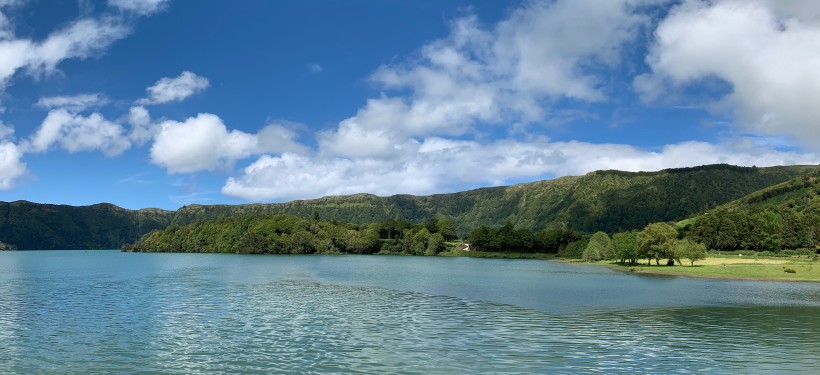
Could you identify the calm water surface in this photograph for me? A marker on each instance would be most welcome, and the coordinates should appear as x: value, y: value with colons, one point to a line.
x: 112, y: 312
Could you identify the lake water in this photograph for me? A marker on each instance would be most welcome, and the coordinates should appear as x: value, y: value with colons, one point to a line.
x: 112, y: 312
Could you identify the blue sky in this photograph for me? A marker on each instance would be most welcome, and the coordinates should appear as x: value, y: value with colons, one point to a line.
x: 163, y: 103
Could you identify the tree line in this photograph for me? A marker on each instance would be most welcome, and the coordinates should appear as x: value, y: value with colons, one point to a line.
x: 657, y: 241
x: 508, y: 239
x: 772, y: 229
x: 285, y: 234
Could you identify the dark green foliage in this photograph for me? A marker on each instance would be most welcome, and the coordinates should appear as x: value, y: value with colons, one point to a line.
x: 598, y: 247
x: 609, y: 201
x: 272, y: 234
x: 508, y: 239
x: 625, y: 247
x: 658, y: 241
x: 32, y: 226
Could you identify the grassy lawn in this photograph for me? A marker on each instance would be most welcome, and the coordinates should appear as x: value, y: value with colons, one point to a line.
x: 735, y: 267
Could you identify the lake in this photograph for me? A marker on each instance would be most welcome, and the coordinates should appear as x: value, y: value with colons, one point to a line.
x: 113, y: 312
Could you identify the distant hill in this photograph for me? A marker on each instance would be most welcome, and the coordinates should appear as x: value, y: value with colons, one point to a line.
x: 781, y: 216
x: 601, y: 200
x: 29, y: 225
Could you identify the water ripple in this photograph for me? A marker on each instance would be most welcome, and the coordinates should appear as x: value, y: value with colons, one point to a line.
x: 189, y: 319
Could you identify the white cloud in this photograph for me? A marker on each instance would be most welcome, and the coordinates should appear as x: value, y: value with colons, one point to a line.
x: 11, y: 168
x: 175, y: 89
x: 141, y: 7
x: 204, y: 143
x: 6, y: 132
x: 505, y: 75
x: 315, y: 68
x: 766, y: 51
x: 81, y: 39
x: 142, y: 129
x: 438, y: 165
x: 74, y: 103
x: 75, y: 133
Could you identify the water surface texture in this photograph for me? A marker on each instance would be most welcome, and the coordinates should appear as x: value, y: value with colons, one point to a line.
x: 106, y: 311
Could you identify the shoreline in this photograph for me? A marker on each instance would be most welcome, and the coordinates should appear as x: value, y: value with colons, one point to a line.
x: 643, y: 271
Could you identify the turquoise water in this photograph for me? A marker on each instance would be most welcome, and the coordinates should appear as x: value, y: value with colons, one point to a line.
x: 112, y: 312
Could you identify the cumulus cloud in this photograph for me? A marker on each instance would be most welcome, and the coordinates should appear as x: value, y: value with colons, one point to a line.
x: 438, y: 164
x: 141, y: 7
x: 74, y: 133
x: 502, y: 75
x: 75, y: 103
x: 421, y: 140
x: 766, y: 52
x: 6, y: 132
x: 204, y: 143
x: 174, y: 89
x: 11, y: 167
x: 84, y: 38
x: 142, y: 129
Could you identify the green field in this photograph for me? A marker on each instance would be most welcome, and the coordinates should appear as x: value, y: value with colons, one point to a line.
x: 735, y: 267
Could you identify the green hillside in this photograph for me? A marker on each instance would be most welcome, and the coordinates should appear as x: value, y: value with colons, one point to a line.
x: 781, y: 216
x: 29, y: 225
x: 603, y: 200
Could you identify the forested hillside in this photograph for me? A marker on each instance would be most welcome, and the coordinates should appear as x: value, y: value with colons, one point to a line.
x: 782, y: 216
x: 605, y: 200
x: 29, y: 225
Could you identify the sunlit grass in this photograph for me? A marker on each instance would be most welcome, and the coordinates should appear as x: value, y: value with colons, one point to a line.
x: 762, y: 268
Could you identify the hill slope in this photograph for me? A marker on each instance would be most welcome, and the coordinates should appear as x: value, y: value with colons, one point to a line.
x: 101, y: 226
x: 603, y: 200
x: 781, y: 216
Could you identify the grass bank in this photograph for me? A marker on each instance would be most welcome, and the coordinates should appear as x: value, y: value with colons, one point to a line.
x: 734, y: 267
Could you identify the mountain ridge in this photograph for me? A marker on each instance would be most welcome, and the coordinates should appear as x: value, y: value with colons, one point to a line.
x: 607, y: 200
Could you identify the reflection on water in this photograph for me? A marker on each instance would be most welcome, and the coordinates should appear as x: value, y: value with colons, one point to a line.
x: 180, y: 313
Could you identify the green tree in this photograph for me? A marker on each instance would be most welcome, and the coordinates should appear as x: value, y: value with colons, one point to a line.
x: 447, y: 229
x: 435, y: 244
x: 625, y: 247
x: 597, y: 248
x: 658, y: 241
x: 420, y: 242
x: 691, y: 250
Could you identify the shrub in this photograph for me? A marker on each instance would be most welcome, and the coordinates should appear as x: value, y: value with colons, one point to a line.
x: 789, y: 270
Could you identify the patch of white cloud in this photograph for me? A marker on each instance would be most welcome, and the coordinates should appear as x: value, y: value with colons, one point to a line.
x: 6, y: 132
x: 502, y: 75
x: 140, y: 7
x: 11, y: 166
x: 74, y: 103
x: 74, y: 133
x: 315, y: 68
x: 83, y: 38
x: 422, y: 139
x: 204, y: 143
x: 174, y: 89
x: 142, y: 129
x: 766, y: 51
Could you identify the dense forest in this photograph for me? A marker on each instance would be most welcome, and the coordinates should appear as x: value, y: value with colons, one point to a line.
x: 27, y: 225
x: 783, y: 216
x: 286, y: 234
x: 609, y: 201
